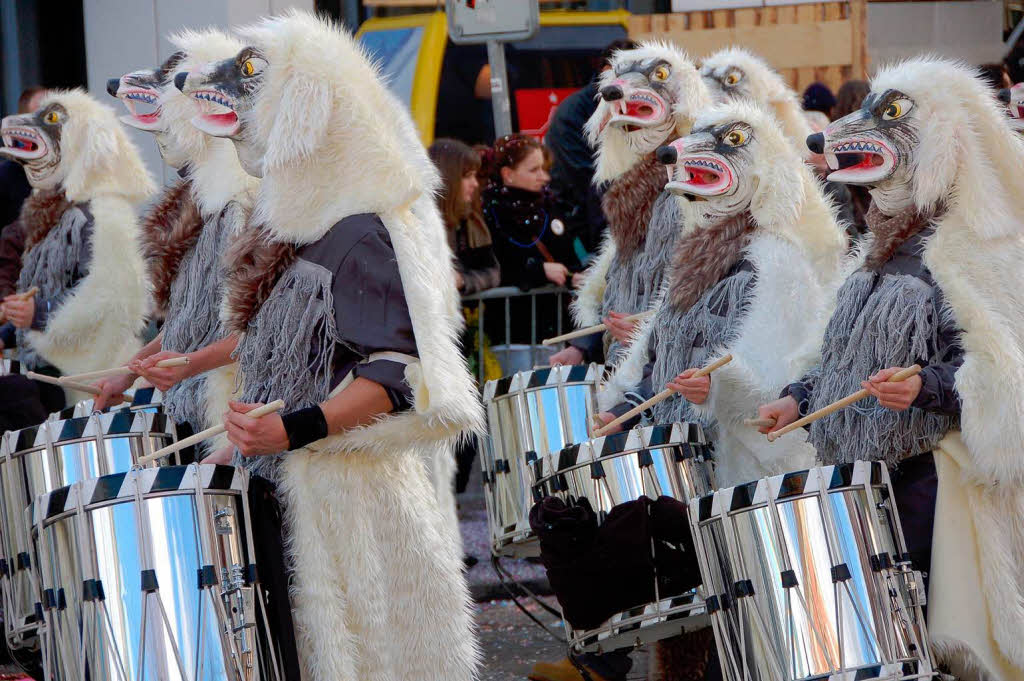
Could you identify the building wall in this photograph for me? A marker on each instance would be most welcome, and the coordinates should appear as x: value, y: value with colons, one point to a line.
x: 123, y: 35
x: 971, y: 30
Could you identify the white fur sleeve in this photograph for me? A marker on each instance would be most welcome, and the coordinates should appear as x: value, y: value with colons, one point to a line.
x: 97, y: 325
x: 779, y: 340
x: 586, y: 308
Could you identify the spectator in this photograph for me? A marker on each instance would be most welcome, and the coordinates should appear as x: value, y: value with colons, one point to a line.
x: 459, y: 202
x: 531, y: 241
x: 817, y: 97
x: 996, y: 75
x: 14, y: 187
x: 464, y: 108
x: 572, y: 167
x: 849, y: 98
x: 526, y: 222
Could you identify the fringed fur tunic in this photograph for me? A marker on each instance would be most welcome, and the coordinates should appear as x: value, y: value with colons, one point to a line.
x: 57, y: 259
x: 889, y: 313
x: 339, y: 309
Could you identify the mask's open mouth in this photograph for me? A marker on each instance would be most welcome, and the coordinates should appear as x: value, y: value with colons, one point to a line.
x: 859, y: 161
x: 143, y: 106
x: 700, y: 176
x: 640, y: 109
x: 23, y: 143
x: 1017, y: 109
x: 217, y: 116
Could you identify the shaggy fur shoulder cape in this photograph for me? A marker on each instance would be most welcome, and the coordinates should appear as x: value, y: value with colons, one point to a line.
x: 97, y: 324
x: 170, y: 230
x: 40, y: 213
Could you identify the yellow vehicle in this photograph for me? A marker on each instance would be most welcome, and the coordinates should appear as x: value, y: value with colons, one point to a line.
x: 561, y: 58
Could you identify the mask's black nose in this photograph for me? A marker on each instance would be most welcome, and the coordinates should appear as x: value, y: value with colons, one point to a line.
x: 816, y: 142
x: 179, y: 80
x: 113, y: 85
x: 611, y: 93
x: 667, y: 155
x: 1004, y: 95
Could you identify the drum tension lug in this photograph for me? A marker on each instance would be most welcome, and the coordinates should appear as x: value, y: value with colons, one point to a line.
x: 62, y: 601
x: 252, y: 575
x: 24, y: 562
x: 840, y: 573
x: 881, y: 561
x: 90, y: 590
x: 711, y: 604
x: 596, y: 471
x: 743, y: 588
x: 644, y: 459
x: 789, y: 579
x: 207, y: 576
x: 50, y: 599
x: 39, y: 612
x: 149, y: 582
x: 4, y: 570
x: 531, y: 457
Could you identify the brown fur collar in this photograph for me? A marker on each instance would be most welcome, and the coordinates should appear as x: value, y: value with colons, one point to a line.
x: 629, y: 201
x: 169, y: 231
x: 703, y: 257
x: 40, y: 213
x: 255, y: 264
x: 891, y: 232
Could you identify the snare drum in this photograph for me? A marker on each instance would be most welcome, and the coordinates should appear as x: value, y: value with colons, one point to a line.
x: 49, y: 456
x: 655, y: 461
x: 530, y: 414
x: 150, y: 574
x: 809, y: 578
x: 11, y: 367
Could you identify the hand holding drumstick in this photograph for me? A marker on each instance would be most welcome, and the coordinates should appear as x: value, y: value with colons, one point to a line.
x: 885, y: 385
x: 20, y: 308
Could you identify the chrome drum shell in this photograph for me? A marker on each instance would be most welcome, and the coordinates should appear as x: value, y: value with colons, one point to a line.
x: 530, y: 415
x: 49, y: 456
x: 119, y: 558
x: 672, y: 460
x: 809, y: 580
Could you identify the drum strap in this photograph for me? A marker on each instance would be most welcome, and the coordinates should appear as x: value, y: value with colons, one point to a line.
x: 387, y: 355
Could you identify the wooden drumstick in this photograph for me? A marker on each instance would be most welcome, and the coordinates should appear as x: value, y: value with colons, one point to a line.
x: 120, y: 371
x: 660, y: 397
x: 74, y: 385
x: 759, y: 423
x: 840, y: 404
x: 579, y: 333
x: 213, y: 431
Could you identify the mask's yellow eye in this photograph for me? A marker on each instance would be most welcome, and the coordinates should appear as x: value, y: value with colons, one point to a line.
x: 897, y: 109
x: 733, y: 78
x: 248, y: 68
x: 661, y: 74
x: 52, y: 117
x: 736, y: 138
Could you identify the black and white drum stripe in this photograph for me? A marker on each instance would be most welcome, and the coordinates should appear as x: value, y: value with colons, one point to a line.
x: 788, y: 485
x: 212, y: 478
x: 68, y: 430
x: 10, y: 367
x: 524, y: 380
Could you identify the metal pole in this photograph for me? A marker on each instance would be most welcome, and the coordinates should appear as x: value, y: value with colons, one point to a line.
x: 499, y: 89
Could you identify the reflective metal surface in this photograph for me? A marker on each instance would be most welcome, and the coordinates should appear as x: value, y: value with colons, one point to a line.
x: 670, y: 460
x: 805, y: 577
x: 167, y: 628
x: 49, y: 456
x: 9, y: 367
x: 530, y: 414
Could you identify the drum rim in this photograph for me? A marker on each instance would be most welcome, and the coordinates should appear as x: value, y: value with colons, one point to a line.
x: 237, y: 484
x: 156, y: 424
x: 500, y: 388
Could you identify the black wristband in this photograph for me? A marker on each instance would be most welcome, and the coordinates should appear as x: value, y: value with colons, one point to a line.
x: 304, y: 426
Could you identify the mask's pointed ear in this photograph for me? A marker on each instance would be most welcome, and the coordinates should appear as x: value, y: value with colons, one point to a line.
x: 303, y: 114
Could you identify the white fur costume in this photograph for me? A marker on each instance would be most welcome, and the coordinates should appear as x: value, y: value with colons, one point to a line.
x: 761, y: 83
x: 379, y: 593
x: 795, y: 247
x: 969, y: 160
x: 615, y: 157
x: 98, y: 322
x: 217, y: 181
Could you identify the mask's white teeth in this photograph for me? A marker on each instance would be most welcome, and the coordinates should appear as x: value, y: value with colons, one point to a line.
x: 831, y: 160
x: 622, y: 106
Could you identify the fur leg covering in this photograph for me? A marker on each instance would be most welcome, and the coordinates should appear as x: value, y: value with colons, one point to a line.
x: 975, y: 605
x: 378, y: 592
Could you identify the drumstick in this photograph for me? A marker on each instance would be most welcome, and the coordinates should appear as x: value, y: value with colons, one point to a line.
x: 21, y: 296
x: 119, y: 371
x: 660, y: 397
x: 840, y: 404
x: 759, y: 423
x: 579, y: 333
x: 74, y: 385
x: 213, y: 431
